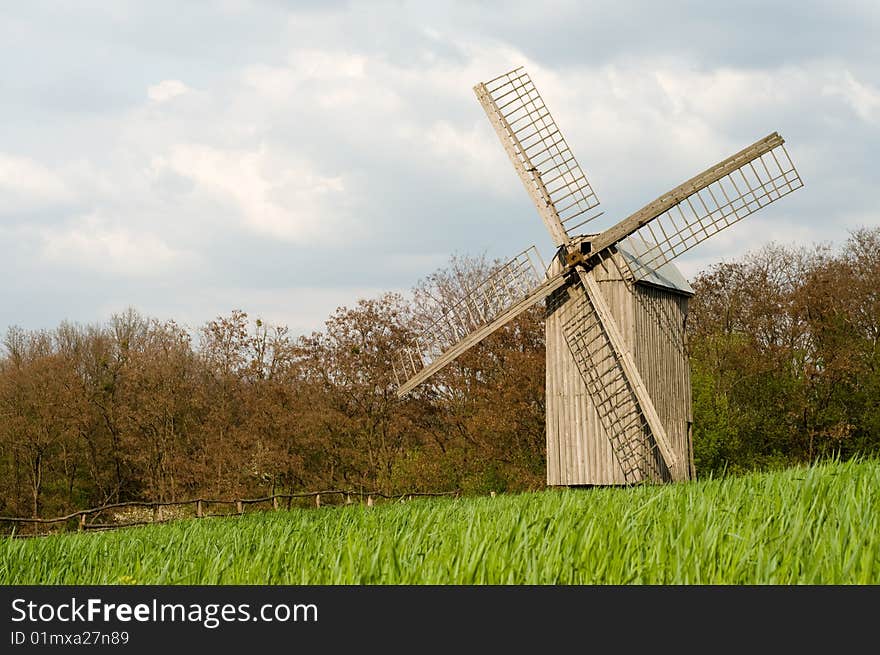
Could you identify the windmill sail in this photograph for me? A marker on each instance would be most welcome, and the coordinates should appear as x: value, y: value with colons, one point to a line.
x: 622, y: 403
x: 512, y: 289
x: 704, y: 205
x: 539, y: 153
x: 641, y: 246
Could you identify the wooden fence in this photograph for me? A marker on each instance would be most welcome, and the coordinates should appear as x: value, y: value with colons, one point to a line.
x: 200, y: 505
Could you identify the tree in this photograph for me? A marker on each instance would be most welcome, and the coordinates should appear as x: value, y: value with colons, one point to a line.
x: 350, y: 377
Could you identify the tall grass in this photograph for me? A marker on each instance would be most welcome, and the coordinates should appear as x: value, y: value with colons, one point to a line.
x: 819, y: 524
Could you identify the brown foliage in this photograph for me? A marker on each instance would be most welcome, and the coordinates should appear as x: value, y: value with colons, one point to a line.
x: 785, y: 359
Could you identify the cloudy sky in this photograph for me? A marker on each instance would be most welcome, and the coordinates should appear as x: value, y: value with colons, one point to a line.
x: 286, y: 158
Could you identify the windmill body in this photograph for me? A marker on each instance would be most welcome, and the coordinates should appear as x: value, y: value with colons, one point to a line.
x: 651, y: 316
x: 618, y: 382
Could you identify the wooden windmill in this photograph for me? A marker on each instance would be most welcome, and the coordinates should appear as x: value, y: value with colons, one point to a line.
x: 618, y: 385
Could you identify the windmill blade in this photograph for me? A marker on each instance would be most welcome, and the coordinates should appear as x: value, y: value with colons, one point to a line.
x: 624, y: 407
x: 539, y: 153
x: 512, y: 289
x: 704, y: 205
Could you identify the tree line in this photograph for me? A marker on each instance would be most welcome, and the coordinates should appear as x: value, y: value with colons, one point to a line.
x: 784, y: 357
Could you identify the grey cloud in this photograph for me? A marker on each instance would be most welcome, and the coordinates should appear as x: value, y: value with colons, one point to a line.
x: 75, y: 102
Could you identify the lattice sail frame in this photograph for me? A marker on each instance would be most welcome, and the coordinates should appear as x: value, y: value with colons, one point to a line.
x: 539, y: 153
x: 513, y: 282
x: 709, y: 209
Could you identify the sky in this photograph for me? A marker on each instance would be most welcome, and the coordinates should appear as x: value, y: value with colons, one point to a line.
x: 284, y: 158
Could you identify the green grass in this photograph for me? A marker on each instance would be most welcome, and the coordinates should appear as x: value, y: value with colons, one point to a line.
x: 807, y: 525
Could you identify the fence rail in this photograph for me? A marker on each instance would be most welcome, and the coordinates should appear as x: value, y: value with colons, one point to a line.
x: 83, y: 515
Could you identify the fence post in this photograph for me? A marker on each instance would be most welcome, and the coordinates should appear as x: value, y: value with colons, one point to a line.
x: 82, y: 523
x: 492, y: 494
x: 239, y: 506
x: 199, y: 512
x: 317, y: 500
x: 369, y: 501
x: 348, y: 499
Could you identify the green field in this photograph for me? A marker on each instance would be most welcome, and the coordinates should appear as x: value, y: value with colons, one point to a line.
x: 806, y: 525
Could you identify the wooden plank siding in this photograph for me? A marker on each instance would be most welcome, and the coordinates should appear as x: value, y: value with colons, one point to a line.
x: 578, y: 450
x: 661, y: 357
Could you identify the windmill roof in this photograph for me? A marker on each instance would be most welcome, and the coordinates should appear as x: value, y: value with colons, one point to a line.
x: 667, y: 276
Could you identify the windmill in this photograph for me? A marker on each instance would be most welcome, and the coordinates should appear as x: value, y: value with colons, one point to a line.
x: 618, y: 407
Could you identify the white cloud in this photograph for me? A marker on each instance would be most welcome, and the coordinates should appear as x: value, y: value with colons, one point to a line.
x: 95, y: 244
x: 467, y: 154
x: 166, y: 90
x: 277, y: 195
x: 327, y: 64
x: 862, y: 98
x: 28, y: 184
x: 329, y: 76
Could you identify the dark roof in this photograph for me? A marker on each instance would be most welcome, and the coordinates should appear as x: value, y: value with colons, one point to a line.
x: 667, y: 276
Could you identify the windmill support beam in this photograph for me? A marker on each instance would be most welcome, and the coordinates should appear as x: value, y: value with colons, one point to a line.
x: 632, y: 372
x: 548, y: 287
x: 668, y: 200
